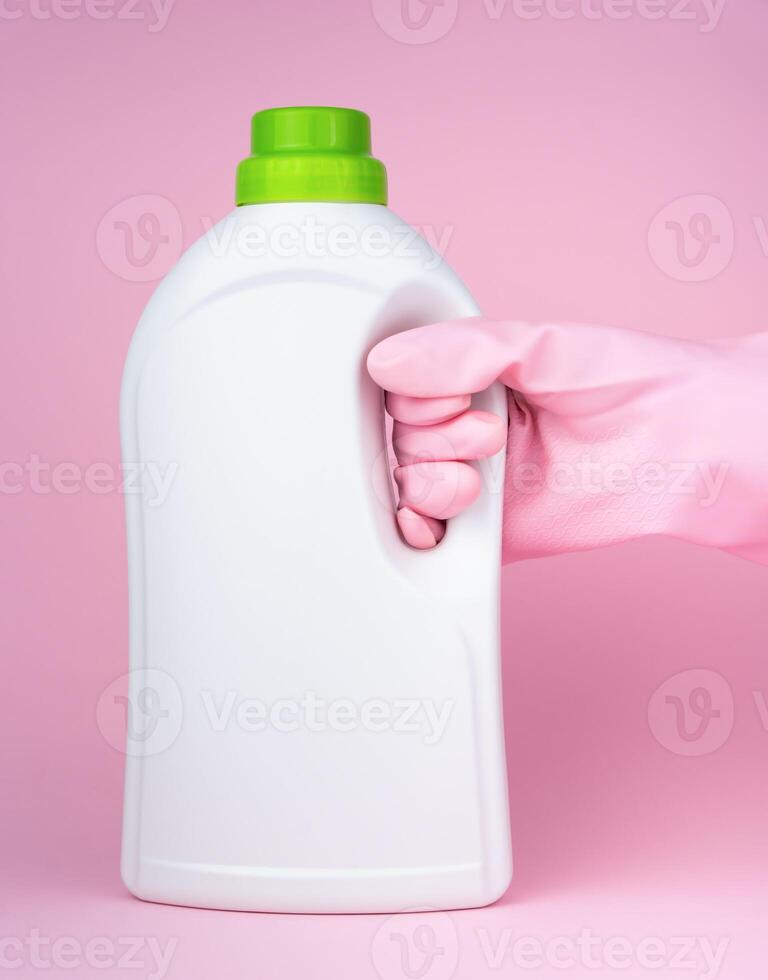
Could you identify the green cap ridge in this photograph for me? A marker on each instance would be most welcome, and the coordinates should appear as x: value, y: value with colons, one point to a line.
x: 311, y: 153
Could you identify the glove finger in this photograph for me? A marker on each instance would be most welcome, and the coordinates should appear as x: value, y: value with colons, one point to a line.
x: 419, y: 531
x: 441, y: 490
x: 471, y: 435
x: 425, y: 411
x: 567, y: 367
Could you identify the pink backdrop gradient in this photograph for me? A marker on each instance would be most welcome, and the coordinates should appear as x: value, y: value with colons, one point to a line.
x: 544, y: 148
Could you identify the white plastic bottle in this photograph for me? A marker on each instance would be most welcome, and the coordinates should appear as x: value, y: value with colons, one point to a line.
x: 316, y: 706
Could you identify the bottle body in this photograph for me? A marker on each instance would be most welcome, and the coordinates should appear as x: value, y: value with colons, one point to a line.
x: 336, y: 742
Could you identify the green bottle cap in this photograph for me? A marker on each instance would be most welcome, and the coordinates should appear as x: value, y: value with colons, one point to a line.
x: 311, y: 153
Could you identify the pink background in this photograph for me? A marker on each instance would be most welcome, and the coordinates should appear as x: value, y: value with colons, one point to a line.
x: 546, y: 147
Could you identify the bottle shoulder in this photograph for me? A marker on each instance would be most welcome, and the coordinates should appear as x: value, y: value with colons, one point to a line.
x: 329, y: 248
x: 254, y: 243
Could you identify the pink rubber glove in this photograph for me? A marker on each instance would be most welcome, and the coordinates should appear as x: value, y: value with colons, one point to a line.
x: 613, y: 434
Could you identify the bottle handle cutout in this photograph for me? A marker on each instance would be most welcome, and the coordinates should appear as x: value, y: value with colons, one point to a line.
x: 472, y: 538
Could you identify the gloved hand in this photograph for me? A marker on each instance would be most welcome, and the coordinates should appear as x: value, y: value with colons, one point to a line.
x: 613, y: 434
